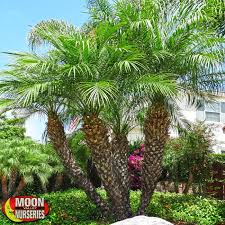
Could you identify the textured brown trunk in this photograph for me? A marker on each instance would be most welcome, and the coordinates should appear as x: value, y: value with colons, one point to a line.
x: 12, y: 181
x: 20, y: 187
x: 97, y: 138
x: 156, y: 129
x: 4, y: 181
x: 120, y: 148
x: 189, y: 182
x: 58, y: 182
x: 57, y: 136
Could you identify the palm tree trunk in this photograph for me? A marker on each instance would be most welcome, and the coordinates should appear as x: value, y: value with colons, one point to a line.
x: 57, y: 136
x: 189, y: 182
x: 120, y: 150
x: 12, y: 181
x: 58, y: 182
x: 4, y: 181
x: 156, y: 134
x: 97, y: 138
x: 20, y: 187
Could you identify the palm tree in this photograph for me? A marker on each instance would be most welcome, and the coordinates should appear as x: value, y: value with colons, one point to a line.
x: 82, y: 74
x: 86, y: 66
x: 120, y: 126
x: 178, y: 48
x: 25, y: 158
x: 93, y: 81
x: 29, y: 85
x: 157, y: 48
x: 123, y: 109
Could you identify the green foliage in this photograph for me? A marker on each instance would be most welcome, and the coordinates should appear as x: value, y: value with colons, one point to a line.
x: 53, y: 162
x: 176, y: 207
x: 27, y: 158
x: 135, y: 145
x: 170, y: 33
x: 216, y: 10
x: 183, y: 155
x: 188, y: 208
x: 11, y: 128
x: 99, y: 10
x: 23, y: 158
x: 86, y: 66
x: 218, y: 158
x: 73, y: 207
x: 80, y: 149
x: 32, y: 162
x: 157, y: 48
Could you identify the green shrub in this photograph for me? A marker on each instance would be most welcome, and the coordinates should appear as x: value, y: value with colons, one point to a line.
x: 183, y: 155
x: 73, y: 207
x: 80, y: 149
x: 188, y: 208
x: 218, y: 158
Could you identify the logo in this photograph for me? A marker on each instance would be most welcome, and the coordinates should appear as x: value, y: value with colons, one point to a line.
x: 25, y: 208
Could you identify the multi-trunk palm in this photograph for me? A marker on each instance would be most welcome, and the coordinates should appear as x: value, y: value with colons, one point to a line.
x: 81, y: 74
x: 21, y: 160
x: 146, y: 50
x: 180, y: 48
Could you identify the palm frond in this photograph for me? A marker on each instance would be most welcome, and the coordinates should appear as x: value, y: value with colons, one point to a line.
x: 48, y: 32
x: 163, y: 84
x: 97, y: 94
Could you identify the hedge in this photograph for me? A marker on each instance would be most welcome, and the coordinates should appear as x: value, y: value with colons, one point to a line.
x: 73, y: 207
x: 218, y: 158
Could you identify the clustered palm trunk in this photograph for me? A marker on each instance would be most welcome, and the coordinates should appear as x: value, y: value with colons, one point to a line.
x: 12, y: 181
x: 58, y: 182
x: 20, y: 187
x: 169, y: 47
x: 156, y: 129
x: 57, y: 136
x: 110, y: 158
x: 120, y: 149
x: 4, y: 187
x: 97, y: 139
x: 9, y: 188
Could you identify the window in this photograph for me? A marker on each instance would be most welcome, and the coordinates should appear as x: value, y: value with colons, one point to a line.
x: 212, y: 117
x: 212, y: 107
x: 211, y: 111
x: 223, y: 107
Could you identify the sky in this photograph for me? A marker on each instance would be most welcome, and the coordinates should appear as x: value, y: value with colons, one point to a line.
x: 16, y: 19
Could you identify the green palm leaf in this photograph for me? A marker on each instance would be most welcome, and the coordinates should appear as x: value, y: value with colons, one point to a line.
x: 97, y: 94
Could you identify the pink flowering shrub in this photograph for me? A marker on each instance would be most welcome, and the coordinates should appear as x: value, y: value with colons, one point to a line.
x: 134, y: 165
